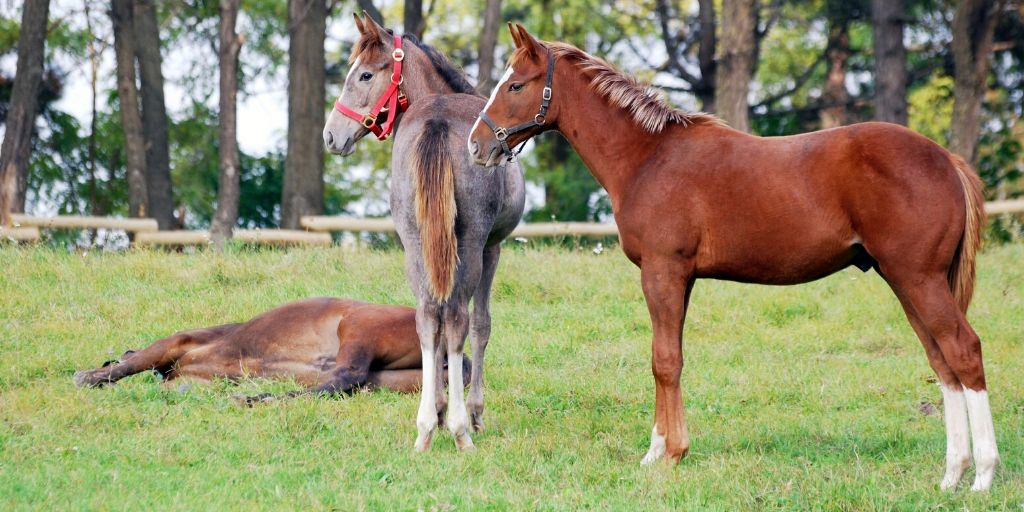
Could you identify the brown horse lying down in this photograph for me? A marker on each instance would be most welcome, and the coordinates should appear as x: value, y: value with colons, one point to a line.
x: 331, y: 345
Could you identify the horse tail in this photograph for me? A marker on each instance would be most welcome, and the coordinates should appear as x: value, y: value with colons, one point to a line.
x: 961, y: 272
x: 434, y: 175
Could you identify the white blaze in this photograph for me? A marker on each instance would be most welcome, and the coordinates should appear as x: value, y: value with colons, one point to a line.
x: 494, y: 93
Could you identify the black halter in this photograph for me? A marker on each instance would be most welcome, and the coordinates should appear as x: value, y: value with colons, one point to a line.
x: 502, y: 134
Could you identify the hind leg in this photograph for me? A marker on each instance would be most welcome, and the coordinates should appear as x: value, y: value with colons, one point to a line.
x: 954, y: 407
x: 933, y: 303
x: 161, y: 355
x: 480, y: 334
x: 456, y: 326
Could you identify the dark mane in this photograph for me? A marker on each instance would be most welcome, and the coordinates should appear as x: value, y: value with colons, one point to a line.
x: 371, y: 46
x: 452, y: 75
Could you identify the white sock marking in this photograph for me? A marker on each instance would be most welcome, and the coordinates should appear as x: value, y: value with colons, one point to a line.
x: 983, y: 434
x: 457, y: 420
x: 958, y: 446
x: 426, y: 418
x: 657, y: 449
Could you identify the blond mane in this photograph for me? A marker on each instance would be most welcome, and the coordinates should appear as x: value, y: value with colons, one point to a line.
x: 645, y: 103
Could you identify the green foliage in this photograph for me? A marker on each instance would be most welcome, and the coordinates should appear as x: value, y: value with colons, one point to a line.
x: 930, y: 108
x: 811, y: 397
x: 628, y: 33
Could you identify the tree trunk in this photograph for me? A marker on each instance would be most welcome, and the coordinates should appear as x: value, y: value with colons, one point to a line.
x: 154, y: 114
x: 887, y: 20
x: 736, y: 61
x: 835, y: 95
x: 371, y: 10
x: 303, y: 189
x: 973, y: 26
x: 413, y: 22
x: 21, y: 117
x: 488, y: 40
x: 228, y: 183
x: 705, y: 90
x: 131, y: 120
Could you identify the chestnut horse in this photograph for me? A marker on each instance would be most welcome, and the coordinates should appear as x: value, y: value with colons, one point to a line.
x: 450, y: 216
x: 695, y: 199
x: 331, y: 345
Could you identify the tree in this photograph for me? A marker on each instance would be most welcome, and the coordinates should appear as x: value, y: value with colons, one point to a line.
x: 131, y: 121
x: 678, y: 48
x: 412, y: 18
x: 839, y: 14
x: 371, y: 10
x: 21, y: 115
x: 887, y: 20
x: 973, y: 26
x: 228, y: 183
x: 736, y: 60
x: 488, y: 40
x: 304, y: 166
x: 154, y: 113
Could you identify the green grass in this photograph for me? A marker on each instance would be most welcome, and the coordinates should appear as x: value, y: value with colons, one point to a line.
x: 798, y: 398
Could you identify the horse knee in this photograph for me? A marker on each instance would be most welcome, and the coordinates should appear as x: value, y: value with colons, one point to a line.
x: 967, y: 362
x: 667, y: 368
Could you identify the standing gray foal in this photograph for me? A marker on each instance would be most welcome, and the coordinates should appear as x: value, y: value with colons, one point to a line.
x: 451, y: 215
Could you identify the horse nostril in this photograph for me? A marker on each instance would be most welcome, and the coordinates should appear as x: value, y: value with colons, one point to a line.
x: 474, y: 148
x: 329, y: 138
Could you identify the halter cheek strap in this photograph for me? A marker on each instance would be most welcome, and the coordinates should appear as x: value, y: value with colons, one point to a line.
x: 392, y: 102
x: 502, y: 134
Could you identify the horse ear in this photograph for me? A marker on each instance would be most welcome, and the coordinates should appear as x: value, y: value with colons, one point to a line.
x: 514, y: 32
x: 359, y: 23
x: 527, y: 41
x: 372, y: 27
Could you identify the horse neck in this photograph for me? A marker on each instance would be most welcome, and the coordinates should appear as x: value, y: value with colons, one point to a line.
x: 421, y: 79
x: 607, y: 139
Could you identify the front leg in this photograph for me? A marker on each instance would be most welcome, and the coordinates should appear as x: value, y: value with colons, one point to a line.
x: 667, y: 285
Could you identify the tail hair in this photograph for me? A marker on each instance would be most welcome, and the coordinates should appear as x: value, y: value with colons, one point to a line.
x: 434, y: 177
x: 962, y: 270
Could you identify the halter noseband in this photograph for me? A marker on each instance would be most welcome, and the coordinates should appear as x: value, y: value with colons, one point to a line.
x: 393, y: 101
x: 502, y: 134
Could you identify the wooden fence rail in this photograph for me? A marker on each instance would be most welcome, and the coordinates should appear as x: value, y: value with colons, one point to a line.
x: 386, y: 225
x: 75, y: 222
x: 249, y: 236
x: 27, y: 228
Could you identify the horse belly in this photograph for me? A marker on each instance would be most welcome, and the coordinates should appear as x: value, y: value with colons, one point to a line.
x: 782, y: 260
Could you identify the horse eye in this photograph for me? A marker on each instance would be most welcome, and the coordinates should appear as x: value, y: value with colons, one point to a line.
x: 366, y: 76
x: 516, y: 87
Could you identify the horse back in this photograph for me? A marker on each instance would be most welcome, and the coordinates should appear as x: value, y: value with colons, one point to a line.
x: 489, y: 202
x: 800, y: 202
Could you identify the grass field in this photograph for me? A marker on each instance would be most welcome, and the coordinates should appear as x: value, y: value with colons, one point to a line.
x: 799, y: 398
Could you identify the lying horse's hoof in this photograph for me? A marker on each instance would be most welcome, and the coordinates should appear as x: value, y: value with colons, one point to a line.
x: 249, y: 401
x: 87, y: 379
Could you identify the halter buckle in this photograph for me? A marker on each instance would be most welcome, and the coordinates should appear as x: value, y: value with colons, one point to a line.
x: 398, y: 54
x: 546, y: 94
x: 368, y: 121
x: 501, y: 134
x: 400, y: 79
x: 539, y: 119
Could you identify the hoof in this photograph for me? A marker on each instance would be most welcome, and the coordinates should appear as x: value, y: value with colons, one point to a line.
x: 422, y: 444
x: 85, y: 379
x: 478, y: 423
x: 464, y: 443
x: 249, y: 401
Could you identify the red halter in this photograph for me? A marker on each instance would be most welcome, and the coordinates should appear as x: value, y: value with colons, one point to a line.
x: 393, y: 101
